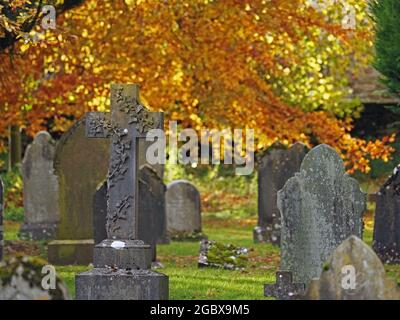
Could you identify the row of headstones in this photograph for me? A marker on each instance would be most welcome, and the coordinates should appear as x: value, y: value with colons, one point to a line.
x: 69, y: 204
x: 279, y: 164
x: 321, y: 223
x: 321, y: 206
x: 41, y: 194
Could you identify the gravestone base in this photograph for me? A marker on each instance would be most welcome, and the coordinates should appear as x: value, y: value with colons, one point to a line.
x: 121, y: 284
x: 122, y: 272
x: 38, y: 231
x: 70, y: 252
x: 123, y: 254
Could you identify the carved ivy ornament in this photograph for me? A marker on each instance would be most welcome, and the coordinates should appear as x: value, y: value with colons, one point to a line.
x: 138, y: 114
x: 100, y: 126
x: 119, y: 213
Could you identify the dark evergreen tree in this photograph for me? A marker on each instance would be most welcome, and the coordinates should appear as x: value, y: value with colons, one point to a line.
x: 386, y: 15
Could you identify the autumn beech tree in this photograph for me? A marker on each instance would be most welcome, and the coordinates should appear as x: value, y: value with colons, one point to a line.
x: 279, y: 67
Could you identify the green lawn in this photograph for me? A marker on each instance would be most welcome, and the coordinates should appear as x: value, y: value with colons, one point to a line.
x: 187, y: 281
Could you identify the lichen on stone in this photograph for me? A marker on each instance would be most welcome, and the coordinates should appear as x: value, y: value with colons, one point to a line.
x: 21, y: 278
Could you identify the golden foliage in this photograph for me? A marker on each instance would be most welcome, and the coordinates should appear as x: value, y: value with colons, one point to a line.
x: 277, y: 66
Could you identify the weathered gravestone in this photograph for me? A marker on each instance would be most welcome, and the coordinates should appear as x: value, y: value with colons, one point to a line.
x: 21, y: 278
x: 387, y: 220
x: 275, y: 168
x: 321, y: 206
x: 122, y: 261
x: 183, y: 209
x: 1, y: 219
x: 40, y: 189
x: 152, y: 215
x: 353, y: 272
x: 80, y: 165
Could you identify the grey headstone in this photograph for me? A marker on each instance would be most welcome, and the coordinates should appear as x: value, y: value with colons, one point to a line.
x: 275, y: 168
x: 387, y: 220
x: 40, y: 189
x: 1, y: 219
x: 183, y: 208
x: 122, y: 261
x: 320, y: 207
x: 353, y: 272
x: 80, y: 165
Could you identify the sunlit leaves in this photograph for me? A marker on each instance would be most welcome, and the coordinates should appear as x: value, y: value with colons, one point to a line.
x: 277, y: 66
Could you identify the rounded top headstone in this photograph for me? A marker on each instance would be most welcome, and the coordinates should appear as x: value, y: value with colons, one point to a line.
x: 323, y: 154
x: 183, y: 207
x: 40, y: 189
x: 181, y: 182
x: 42, y: 137
x: 320, y: 207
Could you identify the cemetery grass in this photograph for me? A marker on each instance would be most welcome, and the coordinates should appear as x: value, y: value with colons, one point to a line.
x: 187, y: 281
x: 229, y: 206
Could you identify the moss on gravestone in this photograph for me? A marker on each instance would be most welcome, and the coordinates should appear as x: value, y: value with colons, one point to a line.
x: 28, y: 270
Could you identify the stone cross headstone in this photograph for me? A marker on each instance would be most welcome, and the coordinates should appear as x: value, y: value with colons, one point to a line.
x: 40, y: 189
x: 152, y: 215
x: 1, y: 219
x: 284, y: 289
x: 387, y: 220
x: 353, y: 272
x: 320, y: 207
x: 80, y: 165
x: 183, y: 208
x: 122, y: 262
x: 275, y: 168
